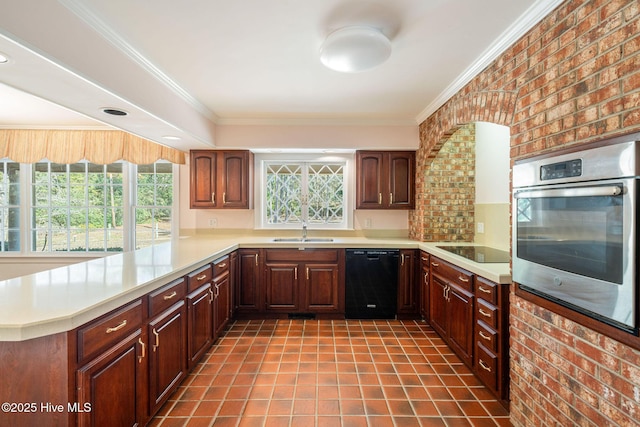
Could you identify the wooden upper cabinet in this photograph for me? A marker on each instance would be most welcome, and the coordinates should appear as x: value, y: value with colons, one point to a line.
x: 385, y: 179
x: 221, y: 179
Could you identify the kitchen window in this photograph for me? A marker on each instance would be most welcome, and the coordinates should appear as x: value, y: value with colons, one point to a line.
x: 84, y: 207
x: 309, y: 190
x: 9, y: 206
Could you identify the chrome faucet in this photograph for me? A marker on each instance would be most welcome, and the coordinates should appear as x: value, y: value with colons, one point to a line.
x: 304, y: 230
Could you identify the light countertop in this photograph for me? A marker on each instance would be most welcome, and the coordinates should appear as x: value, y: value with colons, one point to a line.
x: 64, y: 298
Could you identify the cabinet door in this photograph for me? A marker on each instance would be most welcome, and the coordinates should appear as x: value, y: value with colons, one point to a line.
x: 114, y: 385
x: 249, y: 282
x: 282, y: 287
x: 438, y: 305
x: 424, y: 285
x: 200, y: 324
x: 369, y: 181
x: 460, y: 323
x: 221, y: 305
x: 407, y: 286
x: 167, y: 355
x: 233, y: 179
x: 203, y: 185
x: 401, y: 179
x: 322, y: 288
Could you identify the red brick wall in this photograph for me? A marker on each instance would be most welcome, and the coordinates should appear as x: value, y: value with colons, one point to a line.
x: 574, y: 78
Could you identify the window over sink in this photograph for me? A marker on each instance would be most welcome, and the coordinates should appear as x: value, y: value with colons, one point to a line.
x: 297, y: 189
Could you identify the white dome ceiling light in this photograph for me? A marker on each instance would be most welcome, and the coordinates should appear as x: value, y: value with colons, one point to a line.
x: 355, y: 49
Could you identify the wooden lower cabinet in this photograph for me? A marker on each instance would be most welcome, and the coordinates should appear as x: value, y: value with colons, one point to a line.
x: 167, y: 354
x: 424, y: 285
x: 200, y: 323
x: 310, y: 281
x: 221, y: 304
x: 451, y: 307
x: 408, y: 291
x: 113, y: 385
x: 249, y: 298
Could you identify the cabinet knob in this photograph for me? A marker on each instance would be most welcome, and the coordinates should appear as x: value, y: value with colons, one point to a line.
x: 118, y: 327
x: 484, y: 366
x: 171, y: 295
x: 144, y: 350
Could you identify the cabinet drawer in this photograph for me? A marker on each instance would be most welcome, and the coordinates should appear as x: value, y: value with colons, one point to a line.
x: 221, y: 266
x: 487, y: 336
x: 109, y: 330
x: 166, y: 296
x: 487, y: 290
x: 487, y: 313
x: 453, y: 274
x: 199, y: 277
x: 306, y: 255
x: 487, y: 366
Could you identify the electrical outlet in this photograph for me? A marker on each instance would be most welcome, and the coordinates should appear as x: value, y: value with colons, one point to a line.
x: 367, y: 223
x: 481, y: 227
x: 213, y: 222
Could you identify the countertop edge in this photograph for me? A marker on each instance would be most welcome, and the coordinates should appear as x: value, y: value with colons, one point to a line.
x: 499, y: 273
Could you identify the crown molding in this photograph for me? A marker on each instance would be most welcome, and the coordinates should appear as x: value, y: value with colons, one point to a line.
x: 531, y: 17
x: 91, y: 19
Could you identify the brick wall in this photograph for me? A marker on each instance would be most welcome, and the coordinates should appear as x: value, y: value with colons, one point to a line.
x: 574, y: 78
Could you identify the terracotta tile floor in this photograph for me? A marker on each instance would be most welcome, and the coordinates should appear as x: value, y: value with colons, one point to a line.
x: 331, y: 373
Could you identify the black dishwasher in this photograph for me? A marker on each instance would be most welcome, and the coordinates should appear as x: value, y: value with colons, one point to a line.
x: 371, y: 283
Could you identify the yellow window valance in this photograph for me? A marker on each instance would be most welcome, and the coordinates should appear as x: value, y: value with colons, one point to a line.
x: 71, y: 146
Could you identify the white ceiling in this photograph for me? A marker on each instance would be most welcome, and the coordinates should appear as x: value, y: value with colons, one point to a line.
x: 181, y: 68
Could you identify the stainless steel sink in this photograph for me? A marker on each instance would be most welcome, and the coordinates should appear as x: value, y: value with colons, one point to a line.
x: 303, y: 240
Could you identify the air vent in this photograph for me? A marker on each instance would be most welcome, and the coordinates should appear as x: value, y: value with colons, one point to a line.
x: 114, y: 112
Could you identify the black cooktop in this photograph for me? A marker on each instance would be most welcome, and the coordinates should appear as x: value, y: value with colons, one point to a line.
x: 482, y: 254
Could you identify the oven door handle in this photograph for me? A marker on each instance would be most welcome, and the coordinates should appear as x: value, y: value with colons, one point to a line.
x: 606, y: 190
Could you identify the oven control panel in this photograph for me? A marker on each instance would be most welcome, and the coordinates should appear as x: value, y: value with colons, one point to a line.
x: 565, y: 169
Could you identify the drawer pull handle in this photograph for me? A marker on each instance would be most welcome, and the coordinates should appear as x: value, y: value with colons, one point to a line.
x: 379, y: 198
x: 485, y: 290
x: 199, y: 278
x: 423, y: 259
x: 223, y: 265
x: 463, y: 279
x: 171, y: 295
x: 211, y: 297
x: 484, y: 366
x: 224, y: 198
x: 435, y: 264
x: 307, y: 273
x: 484, y: 313
x: 256, y: 259
x: 295, y: 273
x: 484, y: 336
x: 426, y: 278
x: 217, y: 293
x: 390, y: 198
x: 213, y: 198
x: 117, y: 328
x: 157, y: 344
x: 144, y: 350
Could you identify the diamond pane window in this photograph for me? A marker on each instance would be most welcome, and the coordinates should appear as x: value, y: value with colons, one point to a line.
x: 309, y: 192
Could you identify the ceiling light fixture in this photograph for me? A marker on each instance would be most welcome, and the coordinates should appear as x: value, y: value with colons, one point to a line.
x: 3, y: 58
x: 355, y: 49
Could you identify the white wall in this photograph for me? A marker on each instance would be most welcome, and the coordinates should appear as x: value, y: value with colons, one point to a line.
x: 492, y: 185
x: 492, y: 163
x: 299, y: 137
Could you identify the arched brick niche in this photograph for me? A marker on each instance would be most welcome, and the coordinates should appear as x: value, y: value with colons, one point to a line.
x: 445, y: 184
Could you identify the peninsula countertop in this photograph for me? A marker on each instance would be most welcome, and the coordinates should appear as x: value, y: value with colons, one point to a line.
x: 64, y: 298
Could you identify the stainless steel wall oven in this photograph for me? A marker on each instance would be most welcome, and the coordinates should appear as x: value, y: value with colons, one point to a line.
x: 575, y: 230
